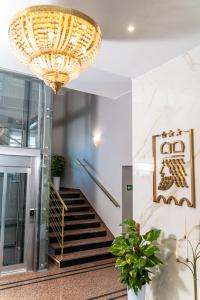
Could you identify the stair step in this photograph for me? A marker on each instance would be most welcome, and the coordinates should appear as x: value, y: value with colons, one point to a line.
x: 70, y: 194
x: 81, y: 245
x: 81, y: 207
x: 64, y: 189
x: 78, y: 224
x: 71, y: 201
x: 82, y: 257
x: 78, y: 234
x: 79, y: 215
x: 72, y: 208
x: 74, y: 201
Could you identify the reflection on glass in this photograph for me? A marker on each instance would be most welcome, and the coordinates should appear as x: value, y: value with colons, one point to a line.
x: 15, y: 207
x: 19, y: 110
x: 1, y: 194
x: 11, y: 109
x: 34, y: 116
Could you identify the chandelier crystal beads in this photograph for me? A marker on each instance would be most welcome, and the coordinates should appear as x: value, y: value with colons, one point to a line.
x: 55, y: 42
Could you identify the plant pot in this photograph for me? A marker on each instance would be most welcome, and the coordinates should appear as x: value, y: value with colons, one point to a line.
x: 56, y: 183
x: 139, y: 296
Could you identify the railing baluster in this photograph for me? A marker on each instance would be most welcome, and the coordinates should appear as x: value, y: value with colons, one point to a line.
x: 57, y: 209
x: 63, y: 222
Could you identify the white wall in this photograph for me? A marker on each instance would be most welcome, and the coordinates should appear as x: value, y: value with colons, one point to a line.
x: 166, y: 98
x: 76, y: 117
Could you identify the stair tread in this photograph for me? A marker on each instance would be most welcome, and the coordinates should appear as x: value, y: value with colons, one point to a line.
x: 73, y: 206
x: 73, y: 198
x: 79, y: 231
x: 75, y: 213
x: 73, y: 222
x: 69, y: 189
x: 83, y: 242
x: 80, y: 222
x: 69, y: 193
x: 77, y: 205
x: 82, y: 254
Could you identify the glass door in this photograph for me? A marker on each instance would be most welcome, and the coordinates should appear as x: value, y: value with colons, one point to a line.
x: 14, y: 205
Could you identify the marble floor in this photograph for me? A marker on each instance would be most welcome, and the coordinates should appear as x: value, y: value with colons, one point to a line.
x: 90, y: 281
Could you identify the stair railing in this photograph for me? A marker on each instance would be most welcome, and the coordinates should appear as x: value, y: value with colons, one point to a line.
x: 57, y: 209
x: 100, y: 185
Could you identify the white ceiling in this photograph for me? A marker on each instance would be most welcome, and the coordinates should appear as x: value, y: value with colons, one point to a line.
x: 163, y: 30
x: 102, y: 83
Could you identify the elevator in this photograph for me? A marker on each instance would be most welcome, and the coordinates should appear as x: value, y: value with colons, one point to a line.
x: 19, y: 202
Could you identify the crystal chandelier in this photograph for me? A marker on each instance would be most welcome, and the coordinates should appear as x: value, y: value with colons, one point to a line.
x: 55, y: 42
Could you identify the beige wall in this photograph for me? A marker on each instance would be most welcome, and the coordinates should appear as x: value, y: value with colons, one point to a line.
x: 166, y: 98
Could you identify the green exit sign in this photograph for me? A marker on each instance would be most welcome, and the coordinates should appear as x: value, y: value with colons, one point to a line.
x: 129, y: 187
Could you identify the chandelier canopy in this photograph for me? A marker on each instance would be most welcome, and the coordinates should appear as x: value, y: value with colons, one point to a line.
x: 55, y: 42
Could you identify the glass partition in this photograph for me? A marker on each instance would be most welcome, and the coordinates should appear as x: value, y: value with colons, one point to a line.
x: 25, y: 121
x: 21, y: 99
x: 14, y: 219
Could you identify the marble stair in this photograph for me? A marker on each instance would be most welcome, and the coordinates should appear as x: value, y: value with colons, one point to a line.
x: 86, y: 238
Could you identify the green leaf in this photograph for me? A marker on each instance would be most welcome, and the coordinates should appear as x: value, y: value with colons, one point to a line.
x: 129, y: 225
x: 155, y: 260
x: 128, y: 222
x: 140, y: 263
x: 132, y: 273
x: 152, y: 235
x: 129, y: 258
x: 120, y: 262
x: 150, y: 250
x: 119, y: 247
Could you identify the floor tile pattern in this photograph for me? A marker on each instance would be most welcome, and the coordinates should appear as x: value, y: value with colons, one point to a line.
x: 93, y: 281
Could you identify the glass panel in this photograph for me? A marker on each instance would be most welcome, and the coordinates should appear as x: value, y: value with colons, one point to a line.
x: 33, y: 119
x: 20, y: 101
x: 15, y: 208
x: 1, y: 194
x: 11, y: 110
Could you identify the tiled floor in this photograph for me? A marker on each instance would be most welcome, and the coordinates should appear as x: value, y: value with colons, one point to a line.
x: 85, y: 282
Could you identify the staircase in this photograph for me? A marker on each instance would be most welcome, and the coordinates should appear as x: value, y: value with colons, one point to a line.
x: 86, y: 238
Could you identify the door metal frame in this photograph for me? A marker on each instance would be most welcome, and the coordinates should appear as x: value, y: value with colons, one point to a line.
x: 6, y: 171
x: 18, y: 151
x: 2, y: 213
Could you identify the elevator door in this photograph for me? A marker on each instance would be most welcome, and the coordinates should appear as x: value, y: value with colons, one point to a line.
x: 14, y: 217
x: 19, y: 200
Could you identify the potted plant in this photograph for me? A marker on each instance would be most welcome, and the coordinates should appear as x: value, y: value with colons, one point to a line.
x: 57, y: 169
x: 136, y: 255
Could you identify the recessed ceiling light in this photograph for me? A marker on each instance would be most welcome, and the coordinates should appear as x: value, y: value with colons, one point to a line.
x: 131, y: 28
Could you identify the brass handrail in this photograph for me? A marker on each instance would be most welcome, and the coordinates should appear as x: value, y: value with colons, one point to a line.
x: 100, y: 185
x: 57, y: 209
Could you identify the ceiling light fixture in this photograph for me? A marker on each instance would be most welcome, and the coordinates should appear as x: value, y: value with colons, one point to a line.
x: 131, y: 28
x: 55, y: 42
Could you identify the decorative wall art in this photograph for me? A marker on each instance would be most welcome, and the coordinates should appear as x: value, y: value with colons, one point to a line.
x: 174, y: 171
